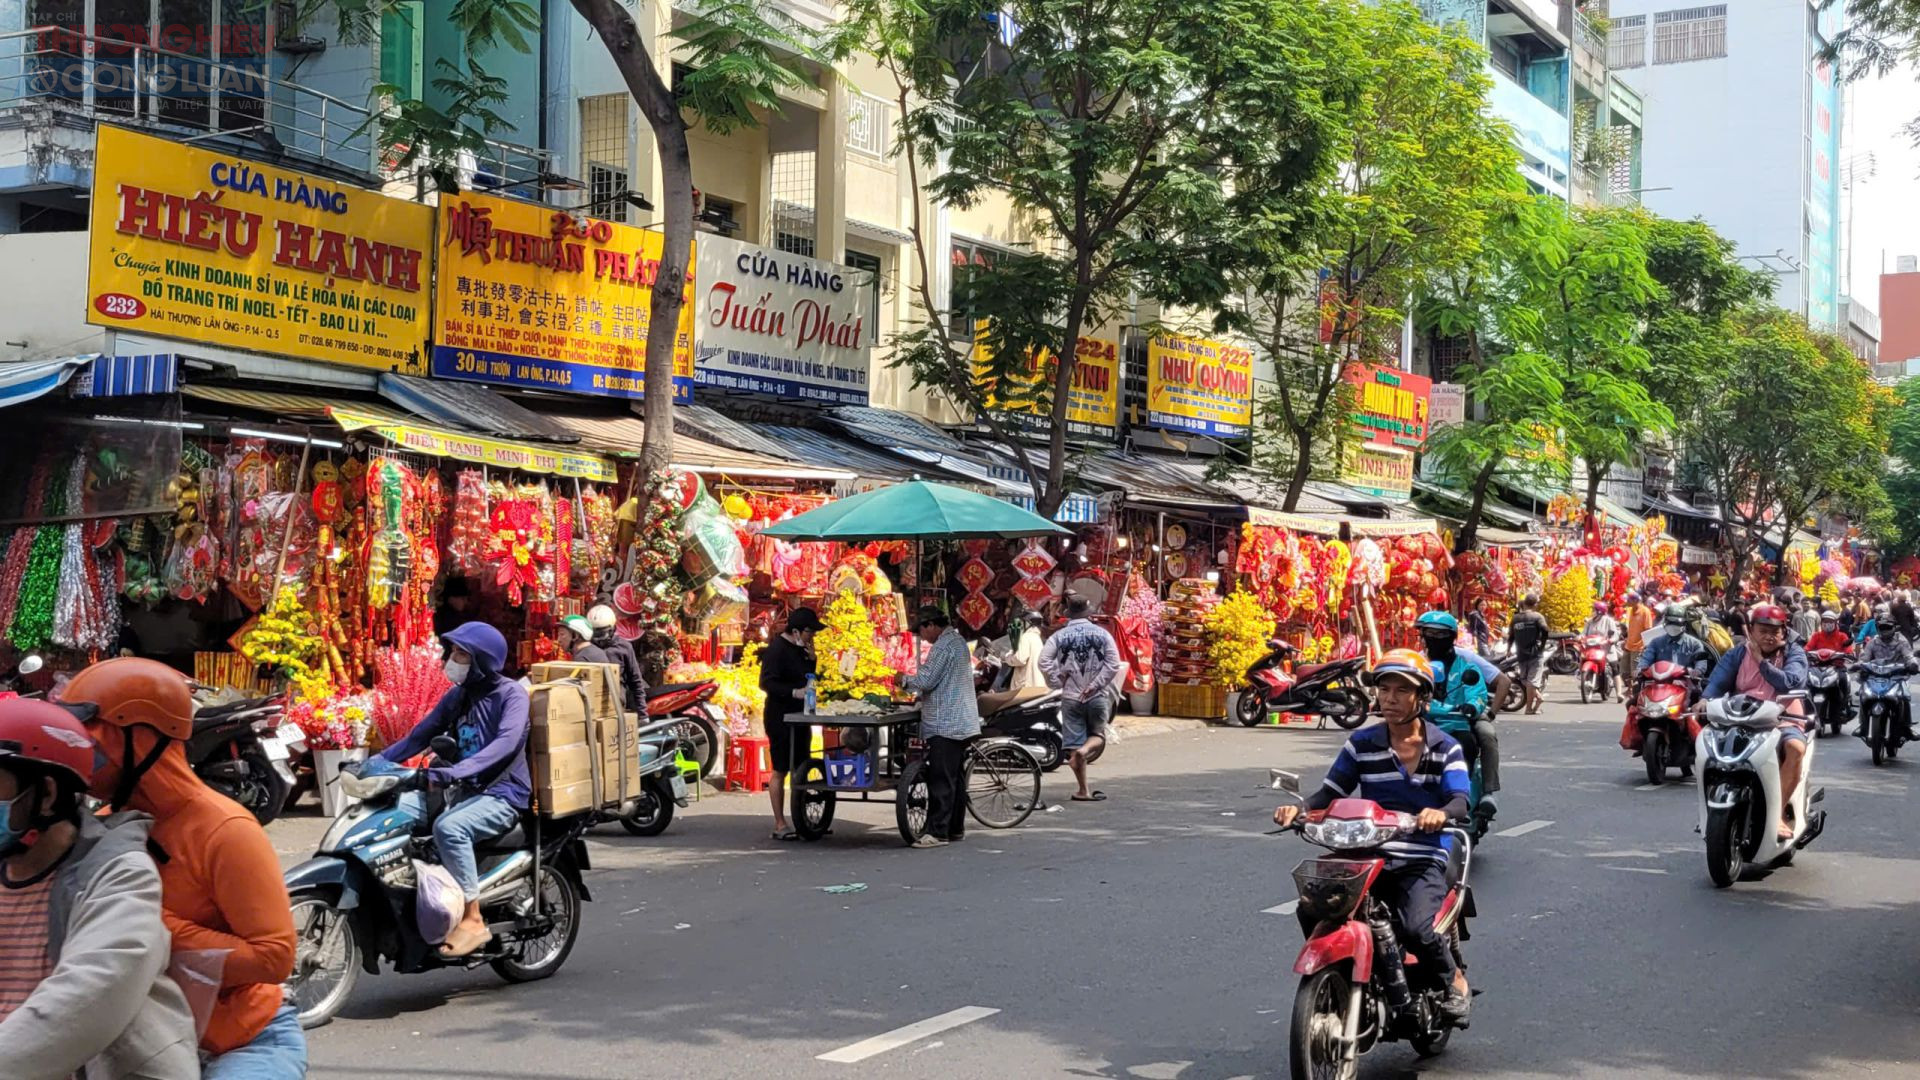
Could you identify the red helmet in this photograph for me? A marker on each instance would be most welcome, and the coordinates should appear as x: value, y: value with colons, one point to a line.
x: 46, y: 735
x: 1767, y: 615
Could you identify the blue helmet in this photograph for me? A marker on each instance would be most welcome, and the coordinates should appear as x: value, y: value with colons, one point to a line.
x: 1438, y: 624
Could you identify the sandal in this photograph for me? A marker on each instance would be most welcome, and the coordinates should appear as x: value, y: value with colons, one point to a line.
x: 1098, y: 796
x: 463, y: 943
x: 1783, y: 831
x: 786, y: 836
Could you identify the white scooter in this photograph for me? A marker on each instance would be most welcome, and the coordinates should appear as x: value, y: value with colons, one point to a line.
x: 1738, y: 753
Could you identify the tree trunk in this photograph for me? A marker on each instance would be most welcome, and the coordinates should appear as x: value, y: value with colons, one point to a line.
x: 1593, y: 490
x: 1302, y: 468
x: 617, y: 29
x: 1065, y: 364
x: 1470, y: 529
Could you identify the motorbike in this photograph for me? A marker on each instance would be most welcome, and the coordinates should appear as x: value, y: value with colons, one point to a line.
x: 13, y: 684
x: 1827, y: 689
x: 1459, y: 724
x: 1738, y: 748
x: 353, y: 902
x: 1354, y: 988
x: 699, y: 720
x: 1509, y: 665
x: 1660, y: 710
x: 1884, y: 708
x: 1596, y: 668
x: 1565, y: 657
x: 1029, y: 716
x: 661, y: 786
x: 244, y: 749
x: 1331, y: 691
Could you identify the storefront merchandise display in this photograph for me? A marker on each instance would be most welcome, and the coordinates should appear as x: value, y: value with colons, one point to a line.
x: 1184, y: 670
x: 849, y: 660
x: 1237, y: 631
x: 408, y: 682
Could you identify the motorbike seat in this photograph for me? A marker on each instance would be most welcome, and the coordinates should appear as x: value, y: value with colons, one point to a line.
x: 1002, y: 700
x: 1456, y: 866
x: 670, y: 688
x: 512, y: 840
x: 1305, y: 671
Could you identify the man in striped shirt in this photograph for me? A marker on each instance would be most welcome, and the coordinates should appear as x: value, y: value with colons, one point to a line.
x: 1409, y: 765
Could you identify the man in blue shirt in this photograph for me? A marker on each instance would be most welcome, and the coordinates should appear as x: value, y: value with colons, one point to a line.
x: 1409, y: 765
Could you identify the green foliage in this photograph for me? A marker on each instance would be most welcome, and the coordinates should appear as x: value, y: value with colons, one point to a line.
x: 1902, y: 481
x: 1320, y: 283
x: 1881, y: 36
x: 742, y: 55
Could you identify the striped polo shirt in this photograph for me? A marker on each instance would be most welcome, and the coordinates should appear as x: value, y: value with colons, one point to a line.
x: 24, y: 962
x: 1367, y: 768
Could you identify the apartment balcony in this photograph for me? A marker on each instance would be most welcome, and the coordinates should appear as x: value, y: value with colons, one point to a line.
x: 1541, y: 132
x: 57, y: 85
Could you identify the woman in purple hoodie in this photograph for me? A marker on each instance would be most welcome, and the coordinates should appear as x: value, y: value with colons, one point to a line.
x: 490, y: 784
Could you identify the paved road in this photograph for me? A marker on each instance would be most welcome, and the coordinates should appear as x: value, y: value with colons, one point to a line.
x: 1129, y: 939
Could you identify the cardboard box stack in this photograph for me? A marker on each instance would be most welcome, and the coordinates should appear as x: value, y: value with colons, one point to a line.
x: 583, y: 750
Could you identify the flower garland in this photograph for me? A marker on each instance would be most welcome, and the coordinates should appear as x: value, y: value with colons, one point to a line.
x: 850, y: 663
x: 283, y: 639
x: 1237, y: 631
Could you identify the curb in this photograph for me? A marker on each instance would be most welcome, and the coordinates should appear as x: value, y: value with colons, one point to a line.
x: 1133, y: 726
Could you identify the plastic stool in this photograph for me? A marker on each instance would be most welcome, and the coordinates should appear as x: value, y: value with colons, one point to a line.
x: 749, y: 763
x: 689, y: 769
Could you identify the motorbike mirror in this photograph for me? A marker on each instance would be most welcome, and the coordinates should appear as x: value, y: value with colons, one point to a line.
x: 1470, y: 677
x: 446, y: 747
x: 31, y: 663
x: 1282, y: 780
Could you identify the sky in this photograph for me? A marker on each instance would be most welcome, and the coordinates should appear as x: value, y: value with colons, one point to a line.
x: 1887, y: 203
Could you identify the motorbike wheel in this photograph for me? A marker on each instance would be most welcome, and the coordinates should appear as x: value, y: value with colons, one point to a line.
x: 1653, y: 752
x: 702, y: 740
x: 262, y: 794
x: 652, y: 811
x: 326, y: 957
x: 811, y: 811
x: 1252, y: 707
x: 910, y: 802
x: 1356, y: 714
x: 1586, y: 688
x: 1051, y: 755
x: 1877, y: 738
x: 1723, y: 845
x: 1562, y: 662
x: 1516, y: 698
x: 538, y: 958
x: 1319, y: 1020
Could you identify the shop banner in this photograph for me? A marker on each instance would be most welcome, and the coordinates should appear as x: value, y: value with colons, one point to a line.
x: 188, y: 243
x: 772, y: 322
x: 1697, y: 556
x: 1093, y: 401
x: 1198, y: 385
x: 1389, y: 405
x: 1410, y: 527
x: 479, y: 451
x: 531, y: 296
x: 1447, y: 405
x: 1300, y: 523
x: 1386, y: 471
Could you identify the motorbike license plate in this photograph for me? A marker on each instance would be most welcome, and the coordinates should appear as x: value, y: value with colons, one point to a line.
x: 679, y: 787
x: 290, y: 734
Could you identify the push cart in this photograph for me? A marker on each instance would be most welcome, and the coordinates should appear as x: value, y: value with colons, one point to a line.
x: 881, y: 756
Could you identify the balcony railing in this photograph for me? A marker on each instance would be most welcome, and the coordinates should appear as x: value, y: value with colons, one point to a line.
x: 97, y: 78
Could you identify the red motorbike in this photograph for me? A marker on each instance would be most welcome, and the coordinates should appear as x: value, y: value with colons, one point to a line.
x: 701, y: 719
x: 1659, y: 718
x: 1330, y: 691
x: 1596, y: 668
x: 1354, y: 990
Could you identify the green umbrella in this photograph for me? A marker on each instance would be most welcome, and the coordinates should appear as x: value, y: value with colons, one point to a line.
x: 916, y: 510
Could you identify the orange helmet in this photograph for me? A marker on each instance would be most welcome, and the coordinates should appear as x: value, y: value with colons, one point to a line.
x: 130, y: 691
x: 1406, y: 663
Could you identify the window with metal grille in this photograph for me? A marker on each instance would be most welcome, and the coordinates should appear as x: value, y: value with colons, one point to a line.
x: 1698, y: 33
x: 793, y: 224
x: 604, y: 154
x: 1627, y: 42
x: 868, y: 120
x: 1447, y: 356
x: 869, y: 279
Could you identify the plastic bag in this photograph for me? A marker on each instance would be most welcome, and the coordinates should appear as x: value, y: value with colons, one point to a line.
x: 712, y: 548
x: 438, y: 903
x: 198, y: 973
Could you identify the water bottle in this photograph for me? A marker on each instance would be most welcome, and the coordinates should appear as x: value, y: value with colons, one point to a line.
x: 812, y: 699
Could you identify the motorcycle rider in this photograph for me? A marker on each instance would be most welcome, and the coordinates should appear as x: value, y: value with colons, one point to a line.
x: 1889, y: 646
x: 1830, y: 636
x: 1440, y: 634
x: 1676, y: 644
x: 220, y: 880
x: 84, y: 988
x: 576, y: 640
x: 633, y: 677
x: 1765, y: 666
x: 1603, y: 625
x: 1409, y: 765
x: 490, y: 785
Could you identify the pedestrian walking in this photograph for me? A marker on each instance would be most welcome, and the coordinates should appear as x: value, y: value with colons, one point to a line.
x: 785, y: 666
x: 949, y: 720
x: 1805, y: 621
x: 1527, y: 636
x: 1083, y: 662
x: 1640, y: 619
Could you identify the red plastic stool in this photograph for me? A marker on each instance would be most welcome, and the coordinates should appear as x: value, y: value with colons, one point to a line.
x: 749, y: 763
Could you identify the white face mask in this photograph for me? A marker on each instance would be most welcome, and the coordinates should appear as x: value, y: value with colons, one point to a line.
x: 457, y: 672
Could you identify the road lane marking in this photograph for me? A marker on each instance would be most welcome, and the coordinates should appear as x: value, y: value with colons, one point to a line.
x: 899, y: 1037
x: 1637, y: 869
x: 1647, y: 787
x: 1524, y: 828
x: 1281, y: 909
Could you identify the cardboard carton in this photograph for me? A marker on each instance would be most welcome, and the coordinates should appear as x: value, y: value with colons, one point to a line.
x: 564, y: 765
x: 604, y: 692
x: 566, y: 800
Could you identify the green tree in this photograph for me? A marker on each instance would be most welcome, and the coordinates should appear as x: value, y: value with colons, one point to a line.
x: 1322, y: 284
x: 1902, y: 480
x: 1765, y: 473
x: 1686, y: 321
x: 739, y: 55
x: 1119, y: 128
x: 1881, y: 36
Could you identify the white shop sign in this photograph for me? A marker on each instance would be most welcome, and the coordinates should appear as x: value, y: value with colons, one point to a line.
x: 772, y: 322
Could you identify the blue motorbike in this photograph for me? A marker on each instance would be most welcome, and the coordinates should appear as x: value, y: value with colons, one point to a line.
x: 353, y: 902
x: 1884, y: 708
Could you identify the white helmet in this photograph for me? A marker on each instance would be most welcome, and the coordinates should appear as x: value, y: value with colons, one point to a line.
x: 601, y: 617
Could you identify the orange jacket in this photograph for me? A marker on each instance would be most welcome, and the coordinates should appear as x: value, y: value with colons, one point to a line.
x: 220, y: 889
x: 1640, y: 619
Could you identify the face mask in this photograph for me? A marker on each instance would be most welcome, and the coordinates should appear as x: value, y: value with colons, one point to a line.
x: 456, y: 672
x: 12, y: 839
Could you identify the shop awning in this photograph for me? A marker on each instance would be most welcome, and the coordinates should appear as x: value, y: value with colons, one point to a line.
x: 473, y: 407
x: 1619, y: 513
x: 1270, y: 496
x: 1075, y: 509
x: 130, y: 376
x: 820, y: 448
x: 308, y: 407
x: 28, y: 379
x: 714, y: 426
x: 476, y: 449
x: 1673, y: 504
x: 1152, y: 481
x: 1491, y: 508
x: 625, y: 435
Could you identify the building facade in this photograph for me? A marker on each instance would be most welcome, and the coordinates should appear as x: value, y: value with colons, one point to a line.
x: 1900, y: 315
x: 1749, y: 137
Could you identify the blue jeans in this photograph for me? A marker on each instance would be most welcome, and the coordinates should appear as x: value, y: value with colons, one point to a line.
x: 476, y: 817
x: 279, y: 1052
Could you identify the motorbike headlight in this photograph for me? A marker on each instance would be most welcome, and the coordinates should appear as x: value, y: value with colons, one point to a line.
x: 1330, y: 888
x: 1345, y: 834
x: 1654, y: 710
